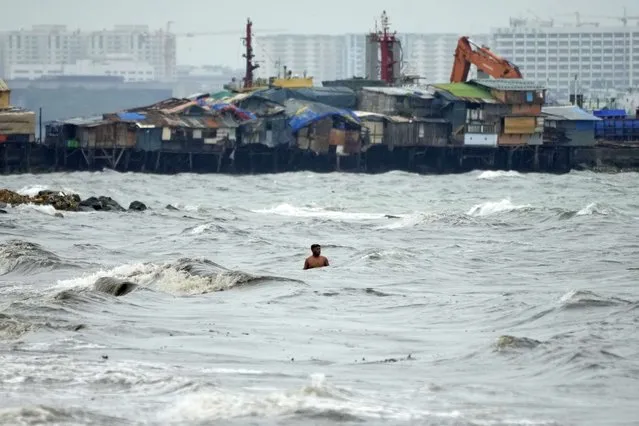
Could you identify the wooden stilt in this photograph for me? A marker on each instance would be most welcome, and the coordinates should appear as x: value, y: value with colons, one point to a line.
x: 5, y: 149
x: 220, y: 157
x: 157, y: 161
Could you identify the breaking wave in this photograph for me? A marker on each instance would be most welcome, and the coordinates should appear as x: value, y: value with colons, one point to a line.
x: 319, y: 212
x: 25, y: 257
x: 491, y: 208
x: 41, y: 414
x: 185, y: 277
x: 316, y: 401
x: 491, y: 175
x: 578, y: 299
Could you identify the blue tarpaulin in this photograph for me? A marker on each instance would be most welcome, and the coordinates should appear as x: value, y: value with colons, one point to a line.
x: 131, y: 116
x: 301, y: 113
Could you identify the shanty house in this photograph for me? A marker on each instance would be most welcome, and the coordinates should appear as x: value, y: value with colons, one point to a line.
x: 91, y: 132
x: 398, y: 131
x: 569, y: 126
x: 184, y: 125
x: 473, y: 113
x: 394, y: 101
x: 523, y: 123
x: 318, y: 126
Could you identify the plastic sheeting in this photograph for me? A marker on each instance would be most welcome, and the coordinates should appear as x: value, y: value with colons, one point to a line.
x: 338, y: 97
x: 301, y: 113
x: 131, y: 116
x: 237, y: 112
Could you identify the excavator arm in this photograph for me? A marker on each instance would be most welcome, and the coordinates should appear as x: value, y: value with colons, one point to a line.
x: 483, y: 59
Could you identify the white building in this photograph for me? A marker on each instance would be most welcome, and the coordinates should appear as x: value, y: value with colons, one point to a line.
x: 601, y: 59
x: 431, y: 56
x: 48, y: 46
x: 129, y: 70
x: 320, y: 56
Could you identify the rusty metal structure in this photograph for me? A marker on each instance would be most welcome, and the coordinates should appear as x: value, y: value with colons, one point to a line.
x: 383, y: 53
x: 248, y: 55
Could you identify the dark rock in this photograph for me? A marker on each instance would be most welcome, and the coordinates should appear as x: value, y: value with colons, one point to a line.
x: 2, y: 205
x: 58, y: 214
x: 137, y: 206
x: 170, y: 207
x: 65, y: 202
x: 3, y: 211
x: 101, y: 204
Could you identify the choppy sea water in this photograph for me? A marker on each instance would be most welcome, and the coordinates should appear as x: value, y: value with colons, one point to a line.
x: 490, y: 298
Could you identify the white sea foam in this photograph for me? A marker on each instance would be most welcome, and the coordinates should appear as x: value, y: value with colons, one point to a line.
x: 318, y: 212
x: 592, y: 209
x: 163, y: 277
x: 45, y: 209
x: 315, y: 399
x: 491, y: 174
x: 491, y: 207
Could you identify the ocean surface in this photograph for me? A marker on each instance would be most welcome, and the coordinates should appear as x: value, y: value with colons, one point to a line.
x: 488, y: 298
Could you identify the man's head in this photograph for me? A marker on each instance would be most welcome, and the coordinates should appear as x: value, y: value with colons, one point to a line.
x: 316, y: 249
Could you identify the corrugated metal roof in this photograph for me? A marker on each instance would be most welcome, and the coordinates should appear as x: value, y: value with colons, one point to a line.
x: 3, y: 86
x: 509, y: 84
x: 401, y: 91
x: 467, y: 92
x: 568, y: 113
x: 366, y: 114
x: 84, y: 121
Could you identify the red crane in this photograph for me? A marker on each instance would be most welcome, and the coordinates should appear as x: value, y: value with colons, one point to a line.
x: 483, y: 59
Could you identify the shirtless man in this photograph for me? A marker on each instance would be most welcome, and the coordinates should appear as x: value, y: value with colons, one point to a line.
x: 315, y: 261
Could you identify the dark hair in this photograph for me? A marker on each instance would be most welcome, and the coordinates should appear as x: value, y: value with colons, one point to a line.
x: 315, y: 246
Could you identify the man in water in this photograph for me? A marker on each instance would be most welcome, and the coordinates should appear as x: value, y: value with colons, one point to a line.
x: 316, y: 260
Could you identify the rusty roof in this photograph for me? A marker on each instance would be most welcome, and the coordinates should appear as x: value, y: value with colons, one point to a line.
x: 167, y: 104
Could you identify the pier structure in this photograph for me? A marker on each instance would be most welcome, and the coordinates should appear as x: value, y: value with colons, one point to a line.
x: 447, y: 128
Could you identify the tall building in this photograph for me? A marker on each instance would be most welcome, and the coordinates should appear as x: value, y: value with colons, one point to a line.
x: 320, y: 56
x: 592, y: 60
x: 44, y: 49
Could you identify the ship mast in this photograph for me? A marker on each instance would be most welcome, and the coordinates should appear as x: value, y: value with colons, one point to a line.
x: 250, y: 65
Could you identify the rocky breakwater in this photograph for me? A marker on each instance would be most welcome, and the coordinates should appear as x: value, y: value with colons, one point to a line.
x: 66, y: 202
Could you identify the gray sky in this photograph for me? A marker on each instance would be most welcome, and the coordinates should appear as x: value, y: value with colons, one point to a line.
x: 295, y: 16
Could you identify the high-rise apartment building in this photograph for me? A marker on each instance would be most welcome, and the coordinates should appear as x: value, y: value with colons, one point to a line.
x: 431, y: 56
x: 44, y: 49
x: 591, y: 59
x: 320, y: 56
x: 333, y: 57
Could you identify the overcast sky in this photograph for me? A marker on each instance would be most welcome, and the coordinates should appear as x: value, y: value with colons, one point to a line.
x: 296, y: 16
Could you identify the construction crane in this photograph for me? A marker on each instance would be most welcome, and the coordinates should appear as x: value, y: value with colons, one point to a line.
x: 579, y: 22
x: 485, y: 61
x: 624, y: 19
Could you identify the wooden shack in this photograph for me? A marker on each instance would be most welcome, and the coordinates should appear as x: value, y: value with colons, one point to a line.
x: 473, y: 113
x: 418, y: 102
x: 522, y: 123
x: 398, y: 131
x: 569, y: 126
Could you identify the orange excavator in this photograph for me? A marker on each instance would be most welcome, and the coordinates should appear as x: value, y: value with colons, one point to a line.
x: 469, y: 53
